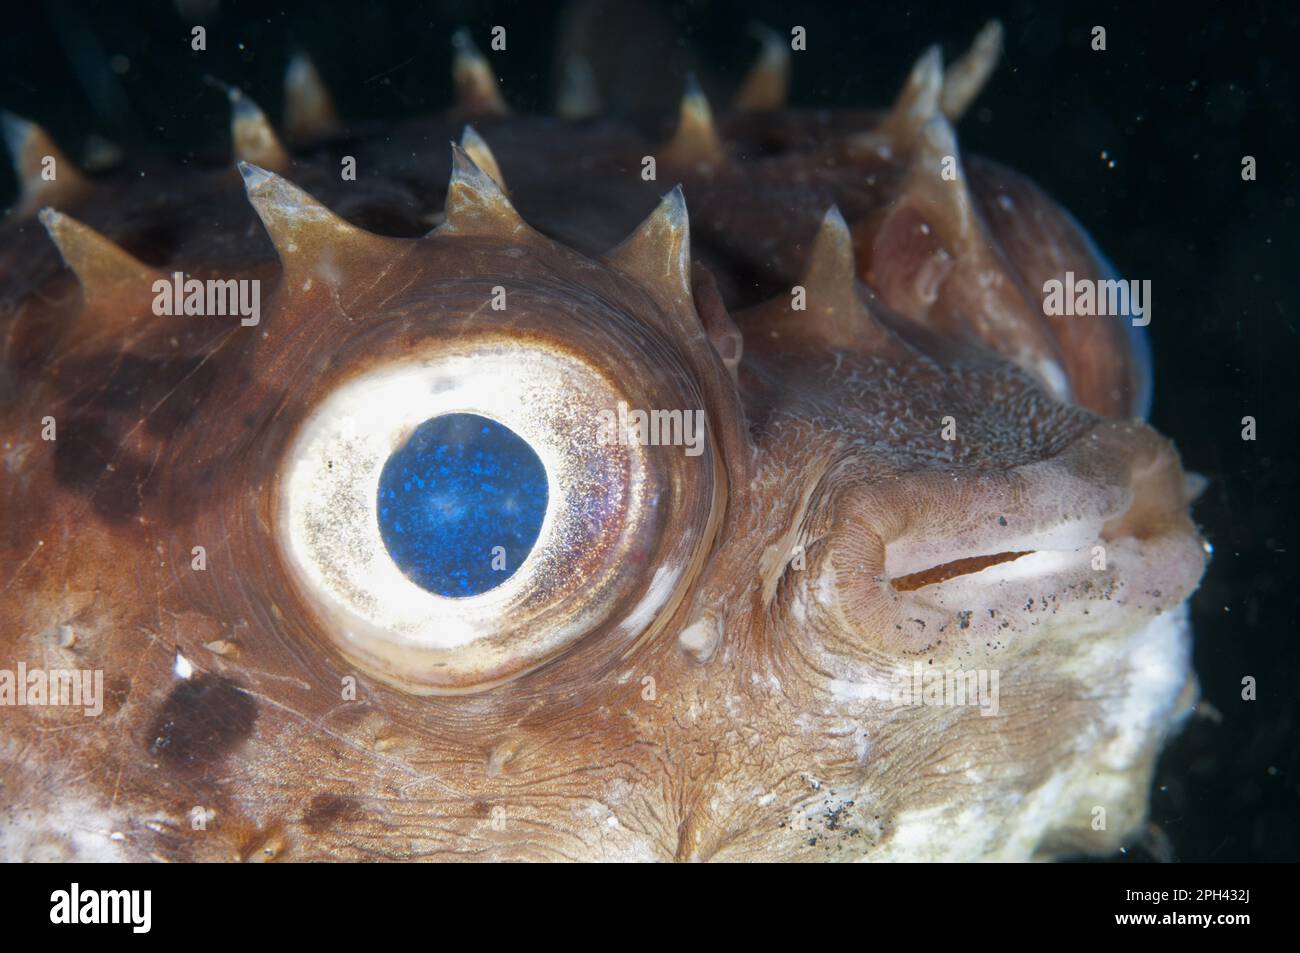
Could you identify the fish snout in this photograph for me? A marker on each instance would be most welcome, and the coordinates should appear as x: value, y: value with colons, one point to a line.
x: 1097, y: 536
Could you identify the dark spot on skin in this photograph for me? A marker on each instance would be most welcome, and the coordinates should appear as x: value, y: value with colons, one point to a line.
x: 1002, y: 521
x: 963, y: 619
x: 326, y: 810
x: 203, y: 719
x: 181, y: 387
x: 86, y: 448
x: 165, y: 392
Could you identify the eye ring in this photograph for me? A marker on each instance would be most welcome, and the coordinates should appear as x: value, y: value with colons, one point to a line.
x: 613, y: 511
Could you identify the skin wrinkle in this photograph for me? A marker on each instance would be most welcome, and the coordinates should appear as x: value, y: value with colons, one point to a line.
x: 754, y: 753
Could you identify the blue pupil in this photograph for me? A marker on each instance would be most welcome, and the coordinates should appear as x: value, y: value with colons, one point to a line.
x: 461, y: 504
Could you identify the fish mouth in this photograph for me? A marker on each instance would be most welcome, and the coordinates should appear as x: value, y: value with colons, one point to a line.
x: 1105, y: 519
x: 949, y: 570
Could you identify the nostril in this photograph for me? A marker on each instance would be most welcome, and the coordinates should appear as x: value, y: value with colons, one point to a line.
x: 950, y: 570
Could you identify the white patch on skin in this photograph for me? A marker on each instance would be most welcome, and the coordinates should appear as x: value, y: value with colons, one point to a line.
x: 327, y: 270
x: 1156, y: 664
x: 1159, y: 657
x: 64, y: 828
x: 700, y: 639
x: 826, y: 593
x: 619, y: 790
x: 843, y: 690
x: 861, y: 745
x: 616, y: 843
x: 1033, y: 566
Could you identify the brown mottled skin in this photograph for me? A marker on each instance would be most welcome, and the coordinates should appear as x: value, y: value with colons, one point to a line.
x: 171, y: 431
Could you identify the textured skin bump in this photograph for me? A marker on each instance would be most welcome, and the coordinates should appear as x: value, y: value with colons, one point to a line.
x: 739, y: 701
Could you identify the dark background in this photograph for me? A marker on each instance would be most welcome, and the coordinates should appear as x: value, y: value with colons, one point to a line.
x: 1142, y: 142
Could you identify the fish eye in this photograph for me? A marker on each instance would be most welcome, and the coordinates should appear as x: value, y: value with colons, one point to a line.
x: 457, y: 517
x: 461, y: 503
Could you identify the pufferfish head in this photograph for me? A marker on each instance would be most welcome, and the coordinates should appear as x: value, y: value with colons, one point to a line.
x: 478, y: 546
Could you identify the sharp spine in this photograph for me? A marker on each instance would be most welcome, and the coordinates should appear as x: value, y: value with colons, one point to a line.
x: 308, y: 107
x: 303, y: 231
x: 251, y: 134
x: 919, y: 99
x: 657, y: 255
x: 696, y: 140
x: 478, y: 93
x: 476, y: 204
x: 29, y: 146
x: 479, y: 151
x: 915, y: 104
x: 955, y: 216
x: 105, y: 270
x: 767, y: 85
x: 965, y: 78
x: 578, y: 97
x: 831, y: 282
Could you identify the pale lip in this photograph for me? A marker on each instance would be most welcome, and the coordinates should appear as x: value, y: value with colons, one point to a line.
x: 1102, y: 528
